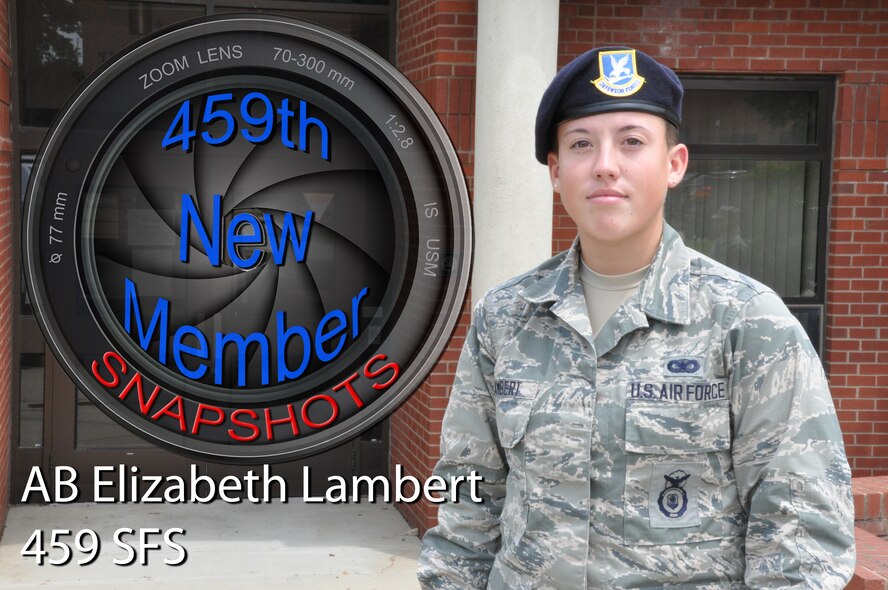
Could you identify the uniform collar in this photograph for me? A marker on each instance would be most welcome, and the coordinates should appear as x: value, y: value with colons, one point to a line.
x: 563, y: 279
x: 664, y: 293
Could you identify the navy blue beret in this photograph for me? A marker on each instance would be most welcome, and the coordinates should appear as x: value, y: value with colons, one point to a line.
x: 604, y: 80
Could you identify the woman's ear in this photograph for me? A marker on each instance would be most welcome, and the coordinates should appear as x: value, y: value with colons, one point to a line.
x: 678, y: 163
x: 553, y: 170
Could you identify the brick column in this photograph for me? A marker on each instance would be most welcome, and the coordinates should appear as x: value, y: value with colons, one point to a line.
x: 436, y: 51
x: 6, y: 201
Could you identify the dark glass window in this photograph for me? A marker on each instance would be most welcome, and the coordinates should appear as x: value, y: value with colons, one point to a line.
x: 369, y: 28
x: 750, y: 117
x: 94, y: 430
x: 60, y: 42
x: 31, y: 387
x: 756, y: 216
x: 756, y: 191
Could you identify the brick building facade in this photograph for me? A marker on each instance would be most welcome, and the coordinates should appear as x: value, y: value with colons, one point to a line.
x: 436, y: 49
x: 844, y: 40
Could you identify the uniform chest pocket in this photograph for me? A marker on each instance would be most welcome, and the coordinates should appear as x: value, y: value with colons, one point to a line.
x: 669, y: 428
x: 514, y: 403
x: 678, y: 488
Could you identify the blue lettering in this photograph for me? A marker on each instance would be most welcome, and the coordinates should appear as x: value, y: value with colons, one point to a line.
x: 678, y: 392
x: 200, y: 352
x: 191, y: 348
x: 321, y: 337
x: 234, y: 239
x: 283, y: 337
x: 189, y: 212
x: 242, y: 343
x: 298, y: 240
x: 159, y: 320
x: 356, y: 301
x: 288, y: 231
x: 509, y: 388
x: 304, y: 123
x: 286, y: 114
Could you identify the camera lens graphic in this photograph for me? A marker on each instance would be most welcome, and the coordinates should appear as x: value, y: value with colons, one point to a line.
x: 263, y: 246
x: 323, y: 233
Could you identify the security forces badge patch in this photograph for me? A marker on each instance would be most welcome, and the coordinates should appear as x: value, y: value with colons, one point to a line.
x: 673, y: 500
x: 674, y: 495
x: 618, y: 73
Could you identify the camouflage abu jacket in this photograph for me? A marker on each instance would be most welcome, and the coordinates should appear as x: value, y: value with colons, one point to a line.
x: 692, y: 443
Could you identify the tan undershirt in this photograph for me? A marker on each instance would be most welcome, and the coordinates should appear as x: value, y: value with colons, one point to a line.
x: 605, y: 293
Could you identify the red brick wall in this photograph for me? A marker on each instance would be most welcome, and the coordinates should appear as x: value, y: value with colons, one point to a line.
x: 871, y: 505
x: 436, y: 51
x: 6, y: 201
x: 841, y: 38
x: 871, y: 533
x: 845, y: 39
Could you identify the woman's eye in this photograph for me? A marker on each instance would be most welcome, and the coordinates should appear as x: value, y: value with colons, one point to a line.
x: 581, y: 144
x: 633, y: 141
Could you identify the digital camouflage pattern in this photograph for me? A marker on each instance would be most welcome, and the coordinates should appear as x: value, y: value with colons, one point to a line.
x: 692, y: 443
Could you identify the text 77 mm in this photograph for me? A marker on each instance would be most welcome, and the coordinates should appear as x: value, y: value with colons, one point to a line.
x: 58, y: 215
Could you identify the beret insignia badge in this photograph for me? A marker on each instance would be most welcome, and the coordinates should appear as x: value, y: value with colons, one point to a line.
x: 618, y: 73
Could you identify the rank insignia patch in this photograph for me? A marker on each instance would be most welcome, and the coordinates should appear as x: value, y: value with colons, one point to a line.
x: 618, y: 73
x: 684, y: 366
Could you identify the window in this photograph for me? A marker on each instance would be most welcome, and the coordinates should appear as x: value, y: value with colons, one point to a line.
x: 756, y: 193
x: 61, y: 42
